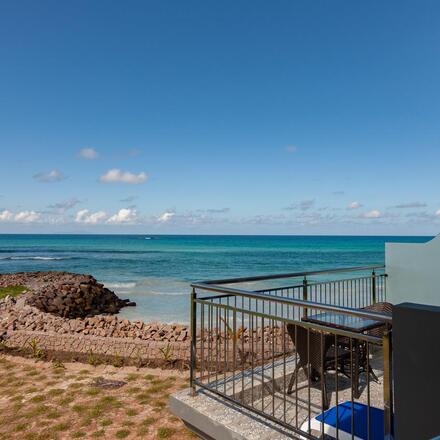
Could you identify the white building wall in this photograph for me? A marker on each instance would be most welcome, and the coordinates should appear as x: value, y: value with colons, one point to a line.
x: 413, y: 272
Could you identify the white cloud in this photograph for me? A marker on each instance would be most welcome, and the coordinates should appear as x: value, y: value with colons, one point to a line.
x: 291, y: 148
x: 27, y: 217
x: 124, y: 215
x: 87, y: 217
x: 116, y: 175
x: 6, y: 216
x: 375, y: 213
x: 49, y: 176
x: 20, y: 217
x: 166, y: 217
x: 354, y: 205
x: 437, y: 213
x: 88, y: 154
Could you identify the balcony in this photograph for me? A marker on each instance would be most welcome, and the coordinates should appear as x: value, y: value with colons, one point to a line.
x: 282, y: 359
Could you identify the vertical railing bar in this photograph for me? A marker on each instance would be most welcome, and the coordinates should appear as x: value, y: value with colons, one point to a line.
x: 284, y: 371
x: 242, y: 356
x: 368, y: 390
x: 308, y: 381
x: 352, y: 388
x: 217, y: 344
x: 296, y: 378
x: 273, y: 367
x: 193, y: 340
x: 337, y: 386
x: 323, y: 398
x: 387, y: 385
x: 262, y: 361
x: 234, y: 346
x: 225, y: 338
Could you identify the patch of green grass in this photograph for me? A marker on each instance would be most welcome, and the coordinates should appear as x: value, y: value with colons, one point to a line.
x: 84, y: 371
x: 94, y: 391
x: 66, y: 400
x: 132, y: 376
x: 37, y: 411
x: 38, y: 398
x: 31, y: 390
x: 54, y: 392
x: 148, y: 421
x: 131, y: 412
x: 12, y: 291
x: 64, y: 426
x: 78, y: 434
x: 165, y: 432
x: 122, y: 433
x: 134, y: 390
x: 80, y: 409
x: 106, y: 422
x: 149, y: 377
x: 20, y: 427
x: 53, y: 415
x: 143, y: 398
x: 98, y: 434
x: 159, y: 404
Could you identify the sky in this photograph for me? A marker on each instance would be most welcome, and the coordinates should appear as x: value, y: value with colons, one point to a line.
x: 232, y: 117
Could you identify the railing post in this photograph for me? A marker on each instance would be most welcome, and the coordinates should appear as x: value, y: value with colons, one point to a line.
x: 305, y: 295
x: 193, y: 308
x: 373, y: 287
x: 388, y: 385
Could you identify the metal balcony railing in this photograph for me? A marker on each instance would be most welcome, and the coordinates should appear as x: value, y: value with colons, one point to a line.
x: 265, y: 350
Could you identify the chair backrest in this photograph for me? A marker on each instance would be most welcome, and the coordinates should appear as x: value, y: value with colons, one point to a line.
x: 310, y: 345
x: 381, y: 307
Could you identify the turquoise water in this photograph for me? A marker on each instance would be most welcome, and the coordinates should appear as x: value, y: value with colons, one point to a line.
x: 155, y: 271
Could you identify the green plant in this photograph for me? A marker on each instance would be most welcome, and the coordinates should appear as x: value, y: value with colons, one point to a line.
x: 58, y: 365
x: 123, y: 433
x: 12, y: 291
x: 165, y: 432
x: 117, y: 361
x: 167, y: 352
x: 91, y: 359
x: 37, y: 352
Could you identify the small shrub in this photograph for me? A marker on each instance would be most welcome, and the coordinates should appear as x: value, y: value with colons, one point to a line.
x: 117, y: 361
x: 122, y: 433
x: 37, y: 352
x: 165, y: 432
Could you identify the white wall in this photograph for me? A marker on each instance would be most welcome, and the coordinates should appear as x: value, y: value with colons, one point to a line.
x: 413, y: 272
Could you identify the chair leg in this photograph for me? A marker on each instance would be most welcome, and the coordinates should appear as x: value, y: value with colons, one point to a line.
x: 293, y: 379
x: 375, y: 378
x: 325, y: 402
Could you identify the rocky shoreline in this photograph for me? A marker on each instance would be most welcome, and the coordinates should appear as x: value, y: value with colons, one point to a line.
x: 73, y: 315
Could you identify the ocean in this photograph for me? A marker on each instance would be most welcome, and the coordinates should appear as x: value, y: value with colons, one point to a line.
x: 155, y: 271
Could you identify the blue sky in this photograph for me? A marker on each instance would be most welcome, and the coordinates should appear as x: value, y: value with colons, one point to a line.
x: 293, y: 117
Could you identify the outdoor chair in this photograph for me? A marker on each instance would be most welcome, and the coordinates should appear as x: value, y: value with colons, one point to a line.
x: 317, y: 355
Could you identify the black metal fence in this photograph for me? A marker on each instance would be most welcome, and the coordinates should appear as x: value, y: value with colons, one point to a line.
x: 261, y: 349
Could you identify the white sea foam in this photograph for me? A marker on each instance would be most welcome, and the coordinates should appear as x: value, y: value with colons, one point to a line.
x: 34, y: 258
x: 120, y: 285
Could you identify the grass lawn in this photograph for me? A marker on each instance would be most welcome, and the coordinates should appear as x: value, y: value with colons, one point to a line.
x: 12, y: 291
x: 43, y: 400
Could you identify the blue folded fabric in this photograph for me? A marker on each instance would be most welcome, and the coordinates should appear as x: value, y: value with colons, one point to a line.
x: 343, y: 414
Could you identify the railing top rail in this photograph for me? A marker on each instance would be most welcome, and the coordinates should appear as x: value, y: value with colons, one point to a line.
x: 290, y: 301
x: 290, y: 275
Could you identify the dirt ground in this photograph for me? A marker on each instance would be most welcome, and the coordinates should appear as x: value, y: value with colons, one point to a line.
x: 53, y: 400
